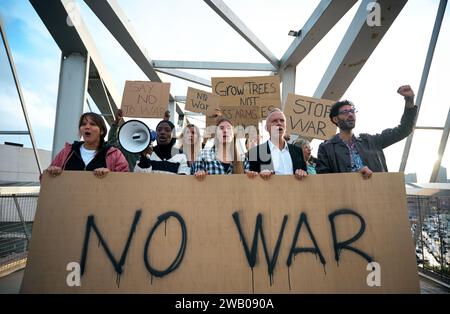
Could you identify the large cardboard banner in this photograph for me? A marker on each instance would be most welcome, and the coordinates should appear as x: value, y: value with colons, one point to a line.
x: 152, y: 233
x: 260, y: 91
x: 309, y: 117
x: 142, y: 99
x: 201, y: 101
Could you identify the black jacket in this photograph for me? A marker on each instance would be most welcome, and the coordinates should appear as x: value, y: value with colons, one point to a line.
x: 334, y: 155
x: 75, y: 162
x: 260, y: 159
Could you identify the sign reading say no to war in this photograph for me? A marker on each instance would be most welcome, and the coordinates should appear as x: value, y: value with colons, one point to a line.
x: 142, y: 99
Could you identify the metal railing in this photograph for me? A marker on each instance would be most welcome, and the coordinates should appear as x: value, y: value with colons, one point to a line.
x: 430, y: 225
x: 17, y: 211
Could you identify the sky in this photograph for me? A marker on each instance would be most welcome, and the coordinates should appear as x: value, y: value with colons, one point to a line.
x: 191, y: 30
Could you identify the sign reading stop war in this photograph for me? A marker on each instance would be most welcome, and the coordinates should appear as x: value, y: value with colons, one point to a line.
x: 309, y: 117
x: 248, y: 91
x: 201, y: 101
x: 276, y: 236
x: 142, y: 99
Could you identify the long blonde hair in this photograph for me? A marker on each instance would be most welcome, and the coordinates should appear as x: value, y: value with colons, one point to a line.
x: 187, y: 149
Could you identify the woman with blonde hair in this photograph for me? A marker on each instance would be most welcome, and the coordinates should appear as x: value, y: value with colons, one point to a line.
x: 191, y: 143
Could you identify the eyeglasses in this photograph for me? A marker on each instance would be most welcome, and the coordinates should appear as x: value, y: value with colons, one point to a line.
x: 347, y: 111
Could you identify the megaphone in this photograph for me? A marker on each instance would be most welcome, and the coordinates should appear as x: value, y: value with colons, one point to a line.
x: 135, y: 136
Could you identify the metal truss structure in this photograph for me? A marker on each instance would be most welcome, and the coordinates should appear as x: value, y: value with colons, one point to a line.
x: 82, y: 70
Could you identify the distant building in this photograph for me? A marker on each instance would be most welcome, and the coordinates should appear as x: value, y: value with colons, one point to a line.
x: 411, y: 178
x: 442, y: 175
x: 18, y: 165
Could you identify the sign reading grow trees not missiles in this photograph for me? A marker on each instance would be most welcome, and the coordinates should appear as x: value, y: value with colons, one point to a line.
x: 258, y: 91
x: 143, y: 99
x: 309, y: 117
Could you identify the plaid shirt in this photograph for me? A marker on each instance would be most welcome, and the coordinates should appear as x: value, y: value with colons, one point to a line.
x: 207, y: 161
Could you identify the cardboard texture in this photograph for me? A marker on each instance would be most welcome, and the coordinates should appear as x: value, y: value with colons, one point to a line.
x: 260, y: 91
x: 201, y: 101
x: 242, y: 115
x: 309, y: 117
x: 214, y: 259
x: 142, y: 99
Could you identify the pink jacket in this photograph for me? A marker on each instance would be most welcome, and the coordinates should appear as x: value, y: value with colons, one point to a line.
x: 115, y: 160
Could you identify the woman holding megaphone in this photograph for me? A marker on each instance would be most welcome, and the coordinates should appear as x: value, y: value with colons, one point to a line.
x: 92, y: 154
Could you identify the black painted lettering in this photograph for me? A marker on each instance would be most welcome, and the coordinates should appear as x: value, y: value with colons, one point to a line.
x: 297, y: 250
x: 178, y: 259
x: 90, y: 224
x: 251, y: 254
x: 345, y: 245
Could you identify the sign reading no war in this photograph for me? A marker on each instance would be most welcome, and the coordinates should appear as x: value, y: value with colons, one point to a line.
x: 150, y: 233
x: 201, y: 101
x: 309, y: 117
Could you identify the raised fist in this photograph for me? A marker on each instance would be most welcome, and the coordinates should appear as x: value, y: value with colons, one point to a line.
x: 406, y: 91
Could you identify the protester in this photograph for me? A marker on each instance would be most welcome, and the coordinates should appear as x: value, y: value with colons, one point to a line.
x: 276, y: 156
x: 223, y: 157
x: 92, y: 154
x: 165, y: 157
x: 364, y: 154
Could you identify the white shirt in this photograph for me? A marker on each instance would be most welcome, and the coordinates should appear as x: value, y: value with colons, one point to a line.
x: 281, y: 159
x: 87, y: 155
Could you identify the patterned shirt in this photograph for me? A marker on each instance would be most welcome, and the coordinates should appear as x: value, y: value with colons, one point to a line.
x: 355, y: 158
x: 207, y: 161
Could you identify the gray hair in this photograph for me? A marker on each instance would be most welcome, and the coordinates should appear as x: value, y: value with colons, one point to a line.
x: 271, y: 112
x: 300, y: 142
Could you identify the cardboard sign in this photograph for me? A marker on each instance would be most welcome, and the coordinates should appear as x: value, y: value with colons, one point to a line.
x: 201, y: 101
x: 143, y: 99
x: 242, y: 116
x: 181, y: 239
x: 309, y: 117
x: 248, y: 91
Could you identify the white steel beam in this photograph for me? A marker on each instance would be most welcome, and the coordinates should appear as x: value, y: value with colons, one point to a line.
x: 356, y: 47
x: 207, y: 65
x: 441, y: 149
x: 424, y: 78
x: 186, y: 76
x: 321, y: 21
x: 20, y: 94
x: 75, y: 38
x: 73, y: 80
x: 114, y: 19
x: 235, y: 22
x: 287, y: 76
